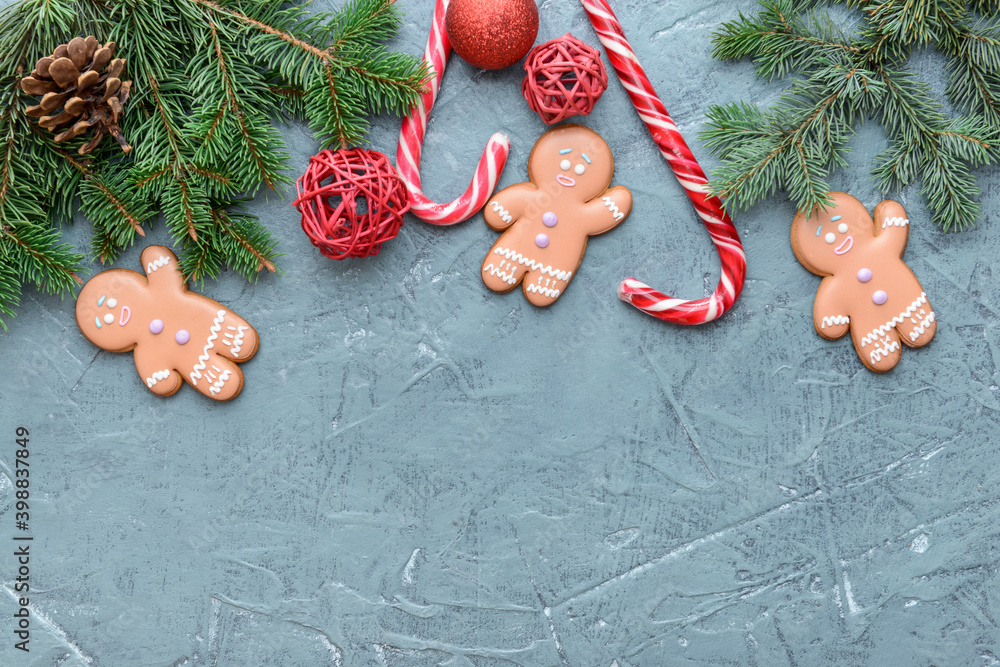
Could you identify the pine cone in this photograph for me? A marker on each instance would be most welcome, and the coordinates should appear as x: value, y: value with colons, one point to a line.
x: 83, y: 80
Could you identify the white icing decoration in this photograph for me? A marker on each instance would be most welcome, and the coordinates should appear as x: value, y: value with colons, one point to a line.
x: 217, y: 387
x: 544, y: 291
x: 109, y: 318
x: 161, y: 261
x: 833, y: 320
x: 238, y: 341
x: 895, y: 222
x: 830, y: 237
x: 157, y: 376
x: 514, y: 256
x: 112, y: 303
x: 579, y: 169
x: 203, y: 357
x: 879, y: 352
x: 506, y: 277
x: 613, y: 207
x: 919, y: 330
x: 842, y: 228
x: 564, y: 165
x: 504, y: 213
x: 899, y: 319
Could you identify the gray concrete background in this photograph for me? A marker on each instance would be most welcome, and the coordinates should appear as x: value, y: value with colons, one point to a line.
x: 422, y: 472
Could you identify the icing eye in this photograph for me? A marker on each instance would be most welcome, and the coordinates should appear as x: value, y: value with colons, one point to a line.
x: 564, y: 165
x: 112, y: 303
x: 842, y: 228
x: 109, y: 318
x: 580, y: 169
x: 830, y: 237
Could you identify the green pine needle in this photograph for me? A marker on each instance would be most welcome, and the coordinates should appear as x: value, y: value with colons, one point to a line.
x: 210, y: 78
x: 802, y: 139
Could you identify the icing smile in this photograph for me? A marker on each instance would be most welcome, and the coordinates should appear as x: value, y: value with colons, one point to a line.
x: 565, y: 180
x: 125, y: 315
x: 845, y: 246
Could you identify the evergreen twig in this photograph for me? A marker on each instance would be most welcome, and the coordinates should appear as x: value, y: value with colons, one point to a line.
x: 210, y: 78
x: 850, y: 77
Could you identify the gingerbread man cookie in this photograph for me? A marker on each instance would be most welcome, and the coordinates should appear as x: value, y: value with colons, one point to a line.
x: 549, y: 219
x: 867, y: 287
x: 174, y: 334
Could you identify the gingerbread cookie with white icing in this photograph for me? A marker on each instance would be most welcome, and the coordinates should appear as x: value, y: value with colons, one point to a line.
x: 549, y: 219
x: 866, y: 286
x: 175, y: 335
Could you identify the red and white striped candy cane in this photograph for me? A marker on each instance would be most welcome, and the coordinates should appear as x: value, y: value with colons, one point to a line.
x: 411, y: 140
x: 688, y: 172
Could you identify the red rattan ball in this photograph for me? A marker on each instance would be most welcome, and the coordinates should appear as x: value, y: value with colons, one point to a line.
x: 352, y: 201
x: 565, y: 77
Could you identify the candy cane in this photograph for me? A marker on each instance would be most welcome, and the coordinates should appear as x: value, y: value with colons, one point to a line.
x: 677, y: 154
x: 411, y: 139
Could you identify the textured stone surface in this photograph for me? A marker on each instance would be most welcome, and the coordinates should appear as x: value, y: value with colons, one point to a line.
x: 421, y: 472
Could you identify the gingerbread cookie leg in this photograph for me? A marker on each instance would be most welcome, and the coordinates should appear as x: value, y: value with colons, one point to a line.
x: 159, y: 379
x: 239, y: 340
x: 501, y: 271
x: 220, y: 379
x: 918, y: 329
x: 879, y: 350
x: 540, y: 289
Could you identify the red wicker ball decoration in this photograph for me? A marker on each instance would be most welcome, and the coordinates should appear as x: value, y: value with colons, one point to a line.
x: 352, y: 201
x: 565, y: 77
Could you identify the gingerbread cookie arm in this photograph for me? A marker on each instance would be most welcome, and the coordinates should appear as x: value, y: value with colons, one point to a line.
x: 892, y: 227
x: 159, y: 379
x: 608, y: 211
x: 162, y: 271
x: 829, y: 317
x: 506, y: 206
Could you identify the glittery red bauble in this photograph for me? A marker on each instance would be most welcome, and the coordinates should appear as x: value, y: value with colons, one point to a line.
x: 491, y: 34
x: 352, y: 201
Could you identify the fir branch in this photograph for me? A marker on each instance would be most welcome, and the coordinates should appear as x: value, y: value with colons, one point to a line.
x: 200, y: 260
x: 801, y: 140
x: 284, y: 35
x: 238, y: 133
x: 36, y: 254
x: 344, y: 76
x: 974, y: 71
x: 779, y: 40
x: 108, y: 202
x: 209, y: 80
x: 10, y: 289
x: 248, y: 239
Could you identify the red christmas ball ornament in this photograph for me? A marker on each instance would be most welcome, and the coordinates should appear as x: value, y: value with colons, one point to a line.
x: 491, y: 34
x: 565, y: 77
x: 352, y: 201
